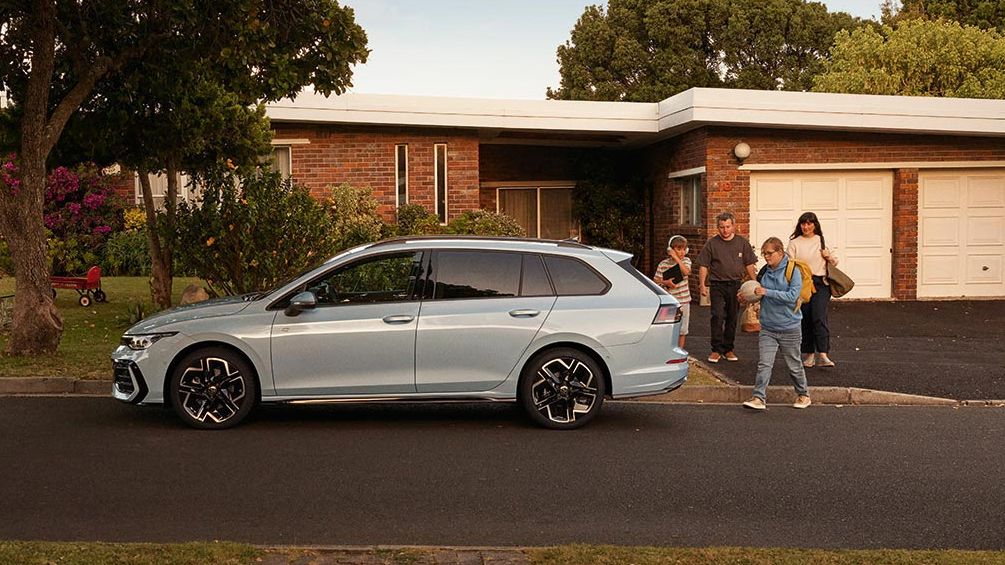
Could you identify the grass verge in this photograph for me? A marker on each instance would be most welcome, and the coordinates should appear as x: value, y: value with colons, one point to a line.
x: 89, y: 334
x: 44, y: 553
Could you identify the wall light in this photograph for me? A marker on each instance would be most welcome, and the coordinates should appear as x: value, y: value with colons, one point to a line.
x: 742, y: 151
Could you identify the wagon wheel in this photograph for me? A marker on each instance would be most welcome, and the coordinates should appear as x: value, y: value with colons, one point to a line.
x: 85, y: 300
x: 99, y: 295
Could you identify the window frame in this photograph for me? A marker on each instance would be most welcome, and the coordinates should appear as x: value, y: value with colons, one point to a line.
x: 436, y: 183
x: 694, y: 184
x: 289, y: 157
x: 537, y: 188
x: 398, y: 163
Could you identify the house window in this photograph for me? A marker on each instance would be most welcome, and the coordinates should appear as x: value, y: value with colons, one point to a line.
x: 690, y: 200
x: 401, y: 174
x: 159, y: 187
x: 440, y: 150
x: 281, y: 160
x: 543, y: 212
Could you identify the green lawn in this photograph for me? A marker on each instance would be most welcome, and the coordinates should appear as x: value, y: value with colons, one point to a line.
x: 89, y: 334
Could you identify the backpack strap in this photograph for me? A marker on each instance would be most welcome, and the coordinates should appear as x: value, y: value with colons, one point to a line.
x: 760, y: 274
x: 790, y: 267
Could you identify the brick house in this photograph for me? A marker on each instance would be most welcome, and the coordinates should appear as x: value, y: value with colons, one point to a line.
x: 910, y: 191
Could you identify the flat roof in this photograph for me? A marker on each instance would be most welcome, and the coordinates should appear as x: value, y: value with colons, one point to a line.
x: 627, y: 123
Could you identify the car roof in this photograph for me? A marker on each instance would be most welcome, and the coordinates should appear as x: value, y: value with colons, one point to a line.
x: 563, y: 247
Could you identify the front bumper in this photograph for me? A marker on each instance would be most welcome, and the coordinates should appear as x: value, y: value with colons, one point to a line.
x: 128, y: 384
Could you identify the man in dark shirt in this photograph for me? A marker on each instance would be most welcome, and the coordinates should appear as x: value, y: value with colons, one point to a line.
x: 723, y: 261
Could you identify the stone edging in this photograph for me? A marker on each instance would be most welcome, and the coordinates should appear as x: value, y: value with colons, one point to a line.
x: 689, y: 394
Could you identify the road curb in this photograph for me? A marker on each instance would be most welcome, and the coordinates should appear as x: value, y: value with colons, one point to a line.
x: 688, y: 394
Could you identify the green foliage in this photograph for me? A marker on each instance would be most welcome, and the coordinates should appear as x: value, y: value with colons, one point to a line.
x: 6, y: 262
x: 484, y: 222
x: 414, y: 219
x: 252, y: 238
x: 985, y: 14
x: 917, y: 58
x: 134, y: 314
x: 127, y: 254
x: 610, y: 205
x: 81, y: 210
x: 355, y: 217
x: 648, y: 50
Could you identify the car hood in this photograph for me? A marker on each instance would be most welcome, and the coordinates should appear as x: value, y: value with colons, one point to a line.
x: 200, y: 310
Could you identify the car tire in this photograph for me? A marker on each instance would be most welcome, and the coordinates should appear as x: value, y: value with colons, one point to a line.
x: 562, y: 388
x: 213, y: 388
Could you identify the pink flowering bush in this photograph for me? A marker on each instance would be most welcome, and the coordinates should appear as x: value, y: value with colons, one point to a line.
x: 81, y: 210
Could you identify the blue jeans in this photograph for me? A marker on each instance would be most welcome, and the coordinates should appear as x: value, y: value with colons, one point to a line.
x: 768, y: 344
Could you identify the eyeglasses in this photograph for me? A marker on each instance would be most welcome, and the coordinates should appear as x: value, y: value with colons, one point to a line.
x: 769, y: 253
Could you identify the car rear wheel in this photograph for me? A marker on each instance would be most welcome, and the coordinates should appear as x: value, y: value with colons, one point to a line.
x: 562, y: 389
x: 213, y: 388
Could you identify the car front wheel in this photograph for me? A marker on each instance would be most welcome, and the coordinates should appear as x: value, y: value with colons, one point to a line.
x: 562, y: 389
x: 213, y: 388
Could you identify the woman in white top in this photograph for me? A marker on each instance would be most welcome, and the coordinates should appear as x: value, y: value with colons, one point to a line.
x: 807, y: 245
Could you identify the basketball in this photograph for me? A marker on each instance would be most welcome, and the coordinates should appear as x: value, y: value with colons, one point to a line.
x: 747, y: 291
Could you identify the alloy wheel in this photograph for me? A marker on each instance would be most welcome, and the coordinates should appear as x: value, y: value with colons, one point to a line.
x: 212, y: 390
x: 563, y: 389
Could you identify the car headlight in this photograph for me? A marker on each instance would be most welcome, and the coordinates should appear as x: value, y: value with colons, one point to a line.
x: 144, y: 341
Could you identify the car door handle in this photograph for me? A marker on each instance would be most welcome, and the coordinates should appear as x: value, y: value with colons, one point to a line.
x: 399, y: 319
x: 524, y: 313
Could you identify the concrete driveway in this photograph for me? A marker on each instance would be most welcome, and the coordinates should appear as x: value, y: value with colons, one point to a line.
x: 952, y: 349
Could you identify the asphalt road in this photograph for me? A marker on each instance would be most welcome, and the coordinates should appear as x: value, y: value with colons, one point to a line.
x: 951, y: 349
x: 832, y: 477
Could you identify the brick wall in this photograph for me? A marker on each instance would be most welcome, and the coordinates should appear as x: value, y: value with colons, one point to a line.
x: 729, y: 188
x: 365, y: 157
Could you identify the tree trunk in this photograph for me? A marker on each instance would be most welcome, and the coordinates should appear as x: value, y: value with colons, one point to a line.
x: 160, y: 254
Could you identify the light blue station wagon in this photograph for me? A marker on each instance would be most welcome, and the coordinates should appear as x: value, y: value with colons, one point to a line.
x: 554, y: 325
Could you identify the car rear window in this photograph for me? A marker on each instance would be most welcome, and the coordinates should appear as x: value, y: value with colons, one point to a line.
x: 627, y: 265
x: 535, y: 278
x: 573, y: 277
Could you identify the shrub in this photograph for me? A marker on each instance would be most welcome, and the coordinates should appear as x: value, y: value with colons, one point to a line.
x: 484, y: 222
x: 355, y: 217
x: 610, y: 205
x: 414, y: 219
x: 251, y: 232
x: 81, y: 211
x: 127, y: 254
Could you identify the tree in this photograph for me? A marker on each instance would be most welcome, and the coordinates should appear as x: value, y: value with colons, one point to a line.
x: 647, y: 50
x: 55, y: 53
x: 917, y: 58
x: 985, y: 14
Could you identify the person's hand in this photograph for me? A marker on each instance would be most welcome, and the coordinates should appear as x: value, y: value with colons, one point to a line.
x: 759, y: 291
x: 739, y: 298
x: 703, y: 290
x: 675, y: 254
x: 826, y: 253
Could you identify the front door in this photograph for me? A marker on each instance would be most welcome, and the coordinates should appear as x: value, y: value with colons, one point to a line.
x: 360, y: 339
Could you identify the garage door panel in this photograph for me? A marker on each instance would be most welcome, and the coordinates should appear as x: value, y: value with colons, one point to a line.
x: 941, y: 192
x: 867, y: 194
x: 940, y: 270
x: 986, y: 192
x: 774, y: 194
x: 869, y: 271
x: 986, y: 230
x: 961, y: 229
x: 865, y: 233
x: 767, y: 228
x: 820, y: 194
x: 983, y: 269
x: 941, y: 232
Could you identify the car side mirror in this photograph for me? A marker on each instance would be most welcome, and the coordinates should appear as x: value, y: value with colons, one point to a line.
x: 303, y: 301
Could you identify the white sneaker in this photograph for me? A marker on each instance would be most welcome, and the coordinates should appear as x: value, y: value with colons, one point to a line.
x: 809, y: 360
x: 802, y: 402
x: 755, y: 404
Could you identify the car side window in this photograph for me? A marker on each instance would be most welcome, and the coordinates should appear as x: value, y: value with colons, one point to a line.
x: 573, y: 277
x: 535, y: 280
x: 475, y: 274
x: 385, y: 278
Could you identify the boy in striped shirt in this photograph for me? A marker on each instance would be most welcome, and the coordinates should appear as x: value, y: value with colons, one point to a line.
x: 677, y: 255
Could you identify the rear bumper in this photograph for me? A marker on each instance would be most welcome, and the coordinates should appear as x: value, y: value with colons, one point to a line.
x: 651, y: 382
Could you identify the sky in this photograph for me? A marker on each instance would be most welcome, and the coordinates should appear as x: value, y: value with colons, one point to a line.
x: 478, y: 48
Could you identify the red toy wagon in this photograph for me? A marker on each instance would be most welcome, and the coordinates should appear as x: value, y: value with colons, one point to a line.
x: 86, y: 287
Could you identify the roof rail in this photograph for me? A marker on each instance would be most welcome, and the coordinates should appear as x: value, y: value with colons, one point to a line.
x: 405, y: 239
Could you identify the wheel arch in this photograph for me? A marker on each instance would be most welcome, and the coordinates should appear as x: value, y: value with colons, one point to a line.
x: 571, y: 345
x: 206, y: 345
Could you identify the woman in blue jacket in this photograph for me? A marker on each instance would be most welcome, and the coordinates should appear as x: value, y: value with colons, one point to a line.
x: 781, y: 326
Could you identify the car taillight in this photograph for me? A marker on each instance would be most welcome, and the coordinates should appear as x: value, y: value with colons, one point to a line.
x: 668, y: 314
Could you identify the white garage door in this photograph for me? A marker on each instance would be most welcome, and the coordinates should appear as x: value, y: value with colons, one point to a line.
x: 961, y: 233
x: 855, y: 211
